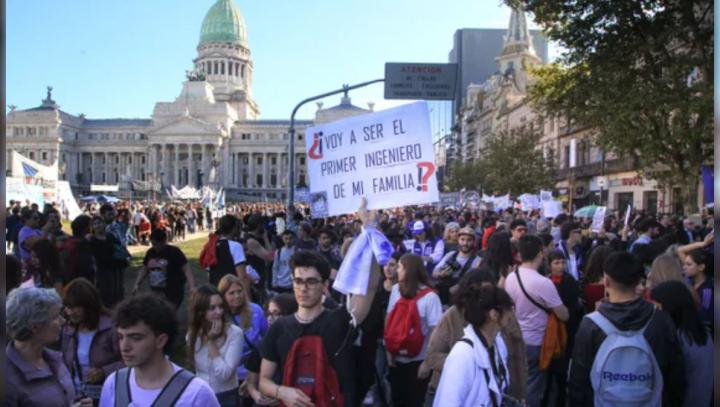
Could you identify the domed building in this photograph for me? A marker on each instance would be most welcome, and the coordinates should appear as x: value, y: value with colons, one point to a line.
x: 211, y: 134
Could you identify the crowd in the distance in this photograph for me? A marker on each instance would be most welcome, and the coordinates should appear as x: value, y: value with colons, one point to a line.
x: 414, y: 306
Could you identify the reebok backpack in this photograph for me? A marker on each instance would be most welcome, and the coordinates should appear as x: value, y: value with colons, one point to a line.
x: 625, y: 372
x: 308, y: 368
x: 403, y: 330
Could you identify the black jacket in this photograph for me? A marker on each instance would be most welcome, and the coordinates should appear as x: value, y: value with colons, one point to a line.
x: 631, y: 315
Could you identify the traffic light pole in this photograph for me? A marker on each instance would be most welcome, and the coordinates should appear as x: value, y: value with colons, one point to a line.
x: 291, y: 139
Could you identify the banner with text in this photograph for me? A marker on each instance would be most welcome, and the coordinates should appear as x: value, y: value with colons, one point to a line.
x: 386, y: 157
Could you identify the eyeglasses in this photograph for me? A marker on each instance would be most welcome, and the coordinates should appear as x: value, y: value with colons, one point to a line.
x: 308, y: 283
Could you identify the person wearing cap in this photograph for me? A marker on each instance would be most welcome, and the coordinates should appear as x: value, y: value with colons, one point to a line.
x: 456, y: 263
x: 423, y: 245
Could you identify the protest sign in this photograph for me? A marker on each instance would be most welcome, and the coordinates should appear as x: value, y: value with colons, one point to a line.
x: 551, y: 209
x: 627, y: 215
x: 66, y: 201
x: 449, y: 199
x: 386, y: 156
x: 529, y: 202
x: 545, y: 195
x: 598, y: 219
x: 470, y: 199
x: 17, y: 190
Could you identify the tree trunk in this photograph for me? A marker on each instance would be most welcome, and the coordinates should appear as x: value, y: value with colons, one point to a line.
x: 689, y: 190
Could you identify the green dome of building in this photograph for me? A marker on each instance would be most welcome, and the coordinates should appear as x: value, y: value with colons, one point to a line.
x: 223, y: 23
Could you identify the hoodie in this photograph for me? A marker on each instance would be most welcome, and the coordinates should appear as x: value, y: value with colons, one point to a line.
x: 630, y: 315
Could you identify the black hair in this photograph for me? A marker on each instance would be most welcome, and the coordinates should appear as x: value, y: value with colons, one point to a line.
x: 700, y: 257
x: 566, y: 228
x: 498, y: 254
x: 529, y: 246
x: 227, y: 225
x: 560, y: 219
x: 305, y: 258
x: 254, y: 223
x: 555, y: 255
x: 479, y: 299
x: 106, y: 207
x: 288, y: 232
x: 158, y: 235
x: 624, y: 269
x: 80, y: 225
x: 286, y: 302
x: 546, y: 238
x: 476, y: 276
x: 12, y: 272
x: 153, y: 311
x: 517, y: 223
x: 677, y: 301
x: 594, y: 267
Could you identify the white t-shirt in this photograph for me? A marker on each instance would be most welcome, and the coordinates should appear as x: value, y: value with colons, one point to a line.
x: 83, y: 354
x: 237, y: 252
x: 197, y: 393
x: 430, y: 310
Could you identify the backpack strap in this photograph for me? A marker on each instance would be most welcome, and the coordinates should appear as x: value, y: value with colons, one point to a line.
x: 493, y: 397
x: 173, y: 389
x: 467, y: 265
x: 609, y: 328
x: 122, y: 387
x: 522, y: 287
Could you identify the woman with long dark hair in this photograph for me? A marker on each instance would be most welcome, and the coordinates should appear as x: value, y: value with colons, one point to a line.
x: 413, y: 289
x: 45, y: 265
x: 695, y: 267
x: 498, y: 258
x: 214, y: 344
x: 593, y: 289
x: 674, y: 298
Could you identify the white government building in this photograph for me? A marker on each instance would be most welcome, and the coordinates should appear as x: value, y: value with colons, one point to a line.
x: 211, y: 134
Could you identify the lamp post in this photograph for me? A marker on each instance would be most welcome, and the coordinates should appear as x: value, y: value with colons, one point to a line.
x: 291, y: 137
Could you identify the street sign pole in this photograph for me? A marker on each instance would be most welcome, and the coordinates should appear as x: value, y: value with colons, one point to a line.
x: 291, y: 137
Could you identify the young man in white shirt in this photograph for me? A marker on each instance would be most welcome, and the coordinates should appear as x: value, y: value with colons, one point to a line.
x: 526, y: 281
x: 146, y: 326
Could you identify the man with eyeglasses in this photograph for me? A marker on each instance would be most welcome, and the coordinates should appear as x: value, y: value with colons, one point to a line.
x: 310, y: 276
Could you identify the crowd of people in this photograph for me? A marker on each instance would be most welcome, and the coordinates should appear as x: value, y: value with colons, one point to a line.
x: 416, y: 306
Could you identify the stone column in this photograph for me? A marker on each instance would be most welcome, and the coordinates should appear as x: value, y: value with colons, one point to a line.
x: 165, y: 167
x: 176, y: 165
x: 107, y: 167
x: 251, y: 173
x: 191, y: 166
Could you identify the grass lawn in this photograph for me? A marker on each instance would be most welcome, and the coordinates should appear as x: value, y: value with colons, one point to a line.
x: 192, y: 250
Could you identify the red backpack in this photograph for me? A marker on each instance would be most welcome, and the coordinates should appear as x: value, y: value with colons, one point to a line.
x: 307, y: 368
x: 403, y: 330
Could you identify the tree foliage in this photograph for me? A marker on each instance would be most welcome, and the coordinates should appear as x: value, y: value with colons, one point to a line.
x: 509, y: 163
x: 625, y: 72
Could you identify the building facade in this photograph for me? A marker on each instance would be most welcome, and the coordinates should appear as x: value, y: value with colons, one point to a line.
x: 586, y: 174
x: 211, y: 134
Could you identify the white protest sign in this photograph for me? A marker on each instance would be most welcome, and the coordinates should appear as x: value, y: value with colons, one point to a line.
x: 545, y: 195
x: 65, y: 199
x: 529, y: 202
x: 627, y: 215
x: 551, y: 209
x: 386, y: 157
x: 598, y: 219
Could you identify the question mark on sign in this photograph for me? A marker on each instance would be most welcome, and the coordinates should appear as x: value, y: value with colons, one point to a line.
x: 423, y: 179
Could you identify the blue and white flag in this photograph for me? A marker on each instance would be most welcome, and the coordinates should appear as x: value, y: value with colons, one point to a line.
x: 29, y: 170
x: 354, y: 274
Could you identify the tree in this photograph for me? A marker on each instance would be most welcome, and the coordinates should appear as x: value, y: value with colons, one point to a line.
x: 511, y: 163
x: 464, y: 176
x: 638, y: 71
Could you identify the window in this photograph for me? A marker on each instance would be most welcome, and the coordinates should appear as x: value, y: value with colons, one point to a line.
x: 44, y: 155
x: 215, y: 68
x: 32, y: 155
x: 222, y: 68
x: 117, y: 159
x: 567, y: 156
x: 18, y: 131
x: 624, y: 199
x: 31, y: 131
x: 300, y: 137
x: 302, y: 160
x: 273, y: 160
x: 142, y: 160
x: 42, y: 131
x: 245, y: 160
x: 130, y: 159
x: 258, y: 179
x: 273, y: 179
x: 259, y: 160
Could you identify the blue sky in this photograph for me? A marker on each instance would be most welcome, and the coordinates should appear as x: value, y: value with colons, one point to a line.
x: 117, y: 58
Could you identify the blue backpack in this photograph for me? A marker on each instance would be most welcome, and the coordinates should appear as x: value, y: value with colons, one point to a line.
x: 625, y: 372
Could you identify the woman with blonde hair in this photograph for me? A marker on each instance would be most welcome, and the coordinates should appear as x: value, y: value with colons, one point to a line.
x: 665, y: 268
x: 247, y: 315
x: 214, y: 344
x: 450, y: 237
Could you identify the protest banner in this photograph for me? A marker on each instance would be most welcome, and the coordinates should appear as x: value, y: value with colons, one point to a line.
x: 598, y: 219
x: 529, y: 202
x: 449, y: 199
x: 627, y: 215
x: 386, y: 156
x: 17, y: 190
x: 66, y: 201
x: 545, y: 195
x: 470, y: 199
x: 551, y: 209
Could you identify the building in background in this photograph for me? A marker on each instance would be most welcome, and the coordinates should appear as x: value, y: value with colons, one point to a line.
x: 211, y: 134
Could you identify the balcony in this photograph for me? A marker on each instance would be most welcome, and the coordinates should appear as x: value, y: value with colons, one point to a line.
x: 595, y: 169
